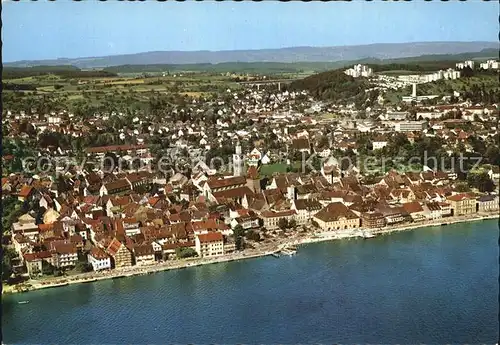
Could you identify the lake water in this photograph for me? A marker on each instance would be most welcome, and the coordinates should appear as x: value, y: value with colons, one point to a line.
x: 430, y: 285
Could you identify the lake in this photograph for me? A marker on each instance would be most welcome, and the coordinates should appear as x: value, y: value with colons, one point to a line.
x: 429, y: 285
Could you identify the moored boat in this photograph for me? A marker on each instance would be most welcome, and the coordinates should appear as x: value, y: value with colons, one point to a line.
x: 367, y: 235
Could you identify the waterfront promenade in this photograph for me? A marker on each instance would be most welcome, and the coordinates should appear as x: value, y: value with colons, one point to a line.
x: 262, y: 249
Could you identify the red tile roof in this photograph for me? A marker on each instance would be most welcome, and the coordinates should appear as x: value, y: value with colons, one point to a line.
x: 270, y: 214
x: 25, y: 191
x: 225, y: 182
x: 114, y: 247
x: 98, y: 253
x: 335, y: 211
x: 412, y: 207
x: 210, y: 237
x: 460, y: 197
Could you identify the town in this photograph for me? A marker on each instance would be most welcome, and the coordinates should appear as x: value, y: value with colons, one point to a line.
x: 243, y: 170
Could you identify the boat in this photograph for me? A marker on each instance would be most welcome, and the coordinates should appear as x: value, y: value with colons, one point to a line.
x: 276, y: 255
x: 289, y: 252
x: 23, y: 302
x: 367, y: 235
x: 443, y: 224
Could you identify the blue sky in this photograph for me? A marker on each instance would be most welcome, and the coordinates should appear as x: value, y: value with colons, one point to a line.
x: 46, y: 30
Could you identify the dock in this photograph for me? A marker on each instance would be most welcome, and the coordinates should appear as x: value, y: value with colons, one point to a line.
x: 286, y: 250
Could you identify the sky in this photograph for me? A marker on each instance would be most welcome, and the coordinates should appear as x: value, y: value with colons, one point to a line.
x: 63, y: 28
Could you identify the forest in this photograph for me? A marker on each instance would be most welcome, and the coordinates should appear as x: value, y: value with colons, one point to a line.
x: 332, y: 85
x: 62, y: 71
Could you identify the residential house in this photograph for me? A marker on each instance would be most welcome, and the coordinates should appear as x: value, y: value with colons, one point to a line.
x: 306, y: 209
x: 446, y: 210
x: 144, y: 254
x: 66, y: 255
x: 379, y: 143
x: 271, y: 218
x: 415, y: 210
x: 432, y: 210
x: 131, y: 226
x: 247, y: 221
x: 210, y: 244
x: 487, y: 203
x: 99, y: 259
x: 34, y: 264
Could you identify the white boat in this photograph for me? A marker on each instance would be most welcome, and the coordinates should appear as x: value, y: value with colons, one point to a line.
x: 368, y: 235
x: 23, y: 302
x: 289, y: 251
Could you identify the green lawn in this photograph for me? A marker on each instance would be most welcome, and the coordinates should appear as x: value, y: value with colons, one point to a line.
x: 268, y: 170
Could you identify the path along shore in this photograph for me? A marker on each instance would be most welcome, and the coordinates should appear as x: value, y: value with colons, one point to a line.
x: 263, y: 250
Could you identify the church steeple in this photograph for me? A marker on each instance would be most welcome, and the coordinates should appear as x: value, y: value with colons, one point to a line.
x: 237, y: 161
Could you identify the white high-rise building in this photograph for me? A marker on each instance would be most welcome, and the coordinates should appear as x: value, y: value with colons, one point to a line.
x: 490, y: 64
x: 465, y: 64
x: 359, y: 71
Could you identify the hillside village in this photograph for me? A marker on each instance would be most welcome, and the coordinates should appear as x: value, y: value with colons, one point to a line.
x: 212, y: 176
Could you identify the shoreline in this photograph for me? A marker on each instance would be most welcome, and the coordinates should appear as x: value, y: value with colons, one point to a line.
x: 250, y: 254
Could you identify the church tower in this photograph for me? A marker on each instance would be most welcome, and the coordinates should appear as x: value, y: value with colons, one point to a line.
x: 237, y: 161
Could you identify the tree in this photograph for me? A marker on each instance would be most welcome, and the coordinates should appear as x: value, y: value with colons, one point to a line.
x: 492, y: 154
x: 252, y: 235
x: 12, y: 210
x: 462, y: 187
x: 83, y: 266
x: 185, y: 252
x: 282, y: 223
x: 481, y: 181
x: 8, y: 254
x: 238, y: 233
x: 292, y: 224
x: 239, y: 243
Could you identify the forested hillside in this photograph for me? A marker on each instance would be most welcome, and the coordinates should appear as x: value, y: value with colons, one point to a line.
x: 331, y: 85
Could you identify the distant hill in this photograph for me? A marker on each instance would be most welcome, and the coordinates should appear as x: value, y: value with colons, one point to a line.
x: 381, y: 51
x: 417, y: 63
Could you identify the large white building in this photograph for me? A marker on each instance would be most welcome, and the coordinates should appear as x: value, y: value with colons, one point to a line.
x: 410, y: 126
x: 490, y: 64
x: 209, y: 244
x: 359, y: 71
x: 450, y: 73
x: 465, y: 64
